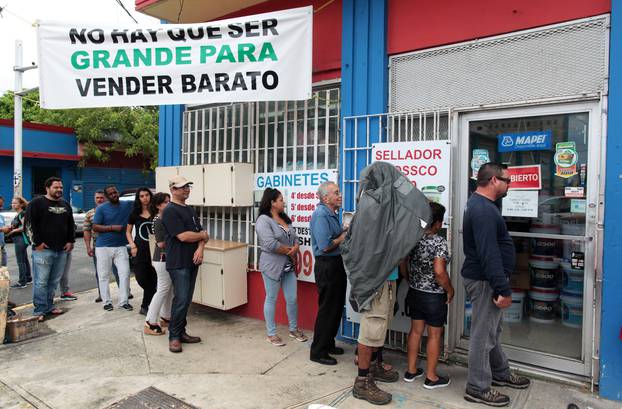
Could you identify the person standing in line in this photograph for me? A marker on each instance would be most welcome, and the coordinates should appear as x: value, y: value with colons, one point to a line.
x: 330, y: 275
x: 20, y: 241
x: 160, y: 306
x: 185, y: 238
x: 109, y: 222
x: 140, y: 222
x: 90, y: 238
x: 429, y: 293
x: 50, y: 225
x: 489, y: 260
x: 277, y: 263
x: 3, y: 229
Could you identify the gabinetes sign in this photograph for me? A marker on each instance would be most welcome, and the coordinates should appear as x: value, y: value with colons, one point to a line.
x: 263, y: 57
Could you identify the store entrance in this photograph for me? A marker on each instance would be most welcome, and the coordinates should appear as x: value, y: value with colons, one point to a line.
x: 550, y: 210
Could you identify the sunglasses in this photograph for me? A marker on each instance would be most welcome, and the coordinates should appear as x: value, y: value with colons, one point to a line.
x: 506, y: 180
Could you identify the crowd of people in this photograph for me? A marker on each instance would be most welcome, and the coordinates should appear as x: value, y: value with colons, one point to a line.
x: 166, y: 240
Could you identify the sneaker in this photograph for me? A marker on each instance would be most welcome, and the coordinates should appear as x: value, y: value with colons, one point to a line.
x: 298, y: 336
x: 18, y: 285
x: 365, y: 388
x: 410, y: 377
x: 150, y: 329
x: 276, y: 341
x: 381, y: 374
x: 441, y: 382
x: 29, y: 282
x: 127, y: 307
x: 108, y: 307
x: 491, y: 398
x: 515, y: 381
x: 68, y: 297
x: 98, y: 299
x: 129, y: 297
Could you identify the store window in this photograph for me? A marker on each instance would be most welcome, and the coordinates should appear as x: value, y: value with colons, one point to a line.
x: 545, y: 213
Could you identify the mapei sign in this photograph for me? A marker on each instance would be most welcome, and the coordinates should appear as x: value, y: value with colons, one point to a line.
x: 525, y: 141
x: 265, y: 57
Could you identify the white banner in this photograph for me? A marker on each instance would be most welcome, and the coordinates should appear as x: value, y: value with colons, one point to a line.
x: 265, y: 57
x: 425, y: 164
x: 299, y: 190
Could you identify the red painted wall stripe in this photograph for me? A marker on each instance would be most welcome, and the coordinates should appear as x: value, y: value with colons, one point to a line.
x: 41, y: 155
x: 38, y: 127
x: 420, y: 24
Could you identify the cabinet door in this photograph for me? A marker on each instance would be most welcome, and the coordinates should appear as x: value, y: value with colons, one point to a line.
x: 163, y: 174
x: 211, y: 285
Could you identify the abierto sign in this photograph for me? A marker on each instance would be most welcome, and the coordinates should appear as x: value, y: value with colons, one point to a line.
x: 527, y: 177
x: 265, y: 57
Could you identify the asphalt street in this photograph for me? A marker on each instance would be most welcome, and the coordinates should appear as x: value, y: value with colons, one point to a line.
x: 81, y: 278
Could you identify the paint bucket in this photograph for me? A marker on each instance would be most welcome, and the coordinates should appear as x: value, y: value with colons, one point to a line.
x: 572, y: 310
x: 543, y: 271
x: 542, y: 305
x: 572, y: 281
x: 468, y: 313
x: 542, y: 246
x: 514, y: 313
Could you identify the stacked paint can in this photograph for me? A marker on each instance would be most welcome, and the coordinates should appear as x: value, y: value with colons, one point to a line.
x: 544, y: 275
x: 572, y: 296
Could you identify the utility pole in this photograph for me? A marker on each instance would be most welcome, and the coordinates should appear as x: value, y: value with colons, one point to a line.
x: 17, y: 117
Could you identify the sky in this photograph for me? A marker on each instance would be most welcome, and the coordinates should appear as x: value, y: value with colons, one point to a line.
x: 18, y: 16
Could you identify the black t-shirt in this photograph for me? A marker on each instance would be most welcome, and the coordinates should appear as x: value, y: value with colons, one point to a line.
x: 142, y: 228
x: 50, y: 222
x: 178, y: 219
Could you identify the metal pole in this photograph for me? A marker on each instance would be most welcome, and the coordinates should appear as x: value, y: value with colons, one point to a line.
x: 17, y: 123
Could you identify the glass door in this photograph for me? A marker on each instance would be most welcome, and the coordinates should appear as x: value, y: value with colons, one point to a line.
x: 552, y: 155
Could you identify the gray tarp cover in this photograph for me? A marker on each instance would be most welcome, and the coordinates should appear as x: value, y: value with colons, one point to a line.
x: 389, y: 221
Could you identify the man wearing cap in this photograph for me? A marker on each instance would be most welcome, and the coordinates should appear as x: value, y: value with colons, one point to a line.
x: 185, y: 239
x: 109, y: 222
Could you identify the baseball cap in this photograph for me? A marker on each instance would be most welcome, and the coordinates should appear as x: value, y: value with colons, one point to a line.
x: 178, y: 181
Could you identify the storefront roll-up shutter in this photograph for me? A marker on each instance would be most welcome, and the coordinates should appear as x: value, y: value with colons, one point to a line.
x: 554, y: 61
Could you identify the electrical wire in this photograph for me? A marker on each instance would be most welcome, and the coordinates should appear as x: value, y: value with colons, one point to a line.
x: 4, y: 9
x: 181, y: 8
x: 120, y: 3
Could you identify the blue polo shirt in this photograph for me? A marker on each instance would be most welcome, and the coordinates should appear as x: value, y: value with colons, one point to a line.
x: 108, y: 214
x: 325, y: 227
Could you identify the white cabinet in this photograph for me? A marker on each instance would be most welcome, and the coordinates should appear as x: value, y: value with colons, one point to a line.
x: 163, y: 174
x: 221, y: 282
x: 220, y: 184
x: 229, y: 184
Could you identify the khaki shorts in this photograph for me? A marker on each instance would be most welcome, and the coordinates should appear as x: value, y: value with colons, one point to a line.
x: 375, y: 321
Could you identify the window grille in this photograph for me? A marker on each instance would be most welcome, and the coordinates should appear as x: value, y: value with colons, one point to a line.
x: 274, y: 136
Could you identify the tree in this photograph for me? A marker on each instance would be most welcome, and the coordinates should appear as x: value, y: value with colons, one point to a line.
x: 101, y: 130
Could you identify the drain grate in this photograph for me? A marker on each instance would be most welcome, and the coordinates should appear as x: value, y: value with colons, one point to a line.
x: 151, y: 398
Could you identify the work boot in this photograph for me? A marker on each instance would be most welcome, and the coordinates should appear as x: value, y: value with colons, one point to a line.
x: 490, y: 397
x: 382, y: 375
x: 189, y: 339
x: 365, y: 388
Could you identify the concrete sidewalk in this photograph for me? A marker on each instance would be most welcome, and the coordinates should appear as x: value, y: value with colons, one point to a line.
x: 93, y: 358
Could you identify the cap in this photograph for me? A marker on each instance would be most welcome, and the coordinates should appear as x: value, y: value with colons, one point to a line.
x: 178, y: 181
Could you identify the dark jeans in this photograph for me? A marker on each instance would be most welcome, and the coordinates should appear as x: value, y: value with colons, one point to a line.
x: 183, y: 287
x: 21, y: 255
x: 148, y: 279
x: 115, y: 273
x: 331, y: 282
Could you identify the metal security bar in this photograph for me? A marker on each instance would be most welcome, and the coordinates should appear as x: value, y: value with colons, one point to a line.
x: 359, y: 131
x: 274, y: 136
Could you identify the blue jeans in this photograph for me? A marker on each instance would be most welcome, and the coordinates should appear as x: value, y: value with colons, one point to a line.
x: 21, y: 255
x: 289, y: 285
x: 183, y: 288
x: 48, y: 268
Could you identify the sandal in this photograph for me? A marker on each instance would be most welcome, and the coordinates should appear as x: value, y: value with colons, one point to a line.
x: 298, y: 335
x: 40, y: 318
x: 56, y: 311
x: 150, y: 329
x: 164, y: 322
x: 276, y: 341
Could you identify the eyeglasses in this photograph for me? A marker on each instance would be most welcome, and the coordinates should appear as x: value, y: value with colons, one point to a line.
x: 184, y: 187
x: 506, y: 180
